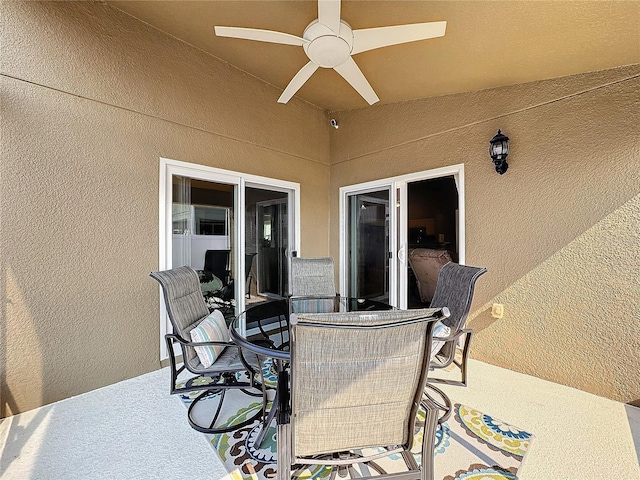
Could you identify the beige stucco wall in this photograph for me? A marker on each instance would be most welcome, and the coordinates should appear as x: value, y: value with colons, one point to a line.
x: 559, y: 232
x: 91, y: 99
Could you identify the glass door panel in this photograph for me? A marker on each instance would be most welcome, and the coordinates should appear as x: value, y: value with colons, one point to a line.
x: 203, y: 236
x: 432, y: 223
x: 421, y: 210
x: 209, y: 221
x: 267, y: 244
x: 181, y: 221
x: 368, y: 245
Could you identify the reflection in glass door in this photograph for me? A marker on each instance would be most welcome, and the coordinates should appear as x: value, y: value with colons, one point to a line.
x: 272, y: 248
x: 267, y: 243
x: 368, y: 245
x: 181, y: 221
x: 202, y: 236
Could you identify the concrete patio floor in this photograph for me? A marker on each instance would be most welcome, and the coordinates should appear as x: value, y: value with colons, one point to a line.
x: 577, y: 435
x: 136, y: 430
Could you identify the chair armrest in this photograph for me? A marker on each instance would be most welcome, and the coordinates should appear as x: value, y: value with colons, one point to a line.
x: 229, y: 344
x: 182, y: 341
x: 455, y: 336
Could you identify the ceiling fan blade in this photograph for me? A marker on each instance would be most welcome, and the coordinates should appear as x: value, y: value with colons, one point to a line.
x: 352, y: 74
x: 329, y: 14
x: 259, y: 35
x: 297, y: 81
x: 370, y: 38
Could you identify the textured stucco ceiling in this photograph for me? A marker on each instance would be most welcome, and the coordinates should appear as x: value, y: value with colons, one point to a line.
x: 487, y: 43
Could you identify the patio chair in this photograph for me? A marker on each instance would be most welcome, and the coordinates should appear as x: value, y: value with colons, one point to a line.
x: 313, y: 288
x: 454, y: 290
x: 211, y: 355
x: 356, y: 383
x: 425, y: 264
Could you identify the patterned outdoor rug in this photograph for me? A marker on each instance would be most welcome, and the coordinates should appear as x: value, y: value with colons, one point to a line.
x: 470, y: 446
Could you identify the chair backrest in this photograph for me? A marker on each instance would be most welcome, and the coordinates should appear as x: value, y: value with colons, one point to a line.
x: 313, y: 288
x: 455, y: 290
x: 217, y: 262
x: 184, y: 301
x: 426, y: 263
x: 346, y: 367
x: 312, y: 276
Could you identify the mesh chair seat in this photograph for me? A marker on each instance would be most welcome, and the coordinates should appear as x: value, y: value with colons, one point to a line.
x: 228, y: 361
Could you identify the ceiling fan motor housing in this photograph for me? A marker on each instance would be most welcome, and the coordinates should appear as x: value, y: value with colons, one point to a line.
x: 325, y: 48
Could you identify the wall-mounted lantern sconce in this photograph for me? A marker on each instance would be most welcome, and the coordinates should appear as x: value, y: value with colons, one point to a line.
x: 499, y: 149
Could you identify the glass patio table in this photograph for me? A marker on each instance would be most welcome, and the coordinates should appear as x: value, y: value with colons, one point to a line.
x: 264, y: 327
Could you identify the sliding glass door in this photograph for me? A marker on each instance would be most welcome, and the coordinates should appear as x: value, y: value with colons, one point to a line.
x: 235, y: 230
x: 381, y: 221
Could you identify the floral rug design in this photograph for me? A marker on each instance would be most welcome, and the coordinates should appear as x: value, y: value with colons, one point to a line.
x: 471, y: 446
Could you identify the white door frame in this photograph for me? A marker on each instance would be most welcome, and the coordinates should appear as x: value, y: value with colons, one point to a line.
x: 398, y: 224
x: 168, y: 168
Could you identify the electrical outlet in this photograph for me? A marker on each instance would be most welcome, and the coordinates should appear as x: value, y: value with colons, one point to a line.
x: 497, y: 310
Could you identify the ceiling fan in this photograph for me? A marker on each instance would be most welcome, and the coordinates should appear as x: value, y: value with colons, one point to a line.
x: 329, y: 42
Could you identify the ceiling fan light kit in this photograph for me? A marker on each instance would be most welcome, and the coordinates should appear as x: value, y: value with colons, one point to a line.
x: 330, y: 42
